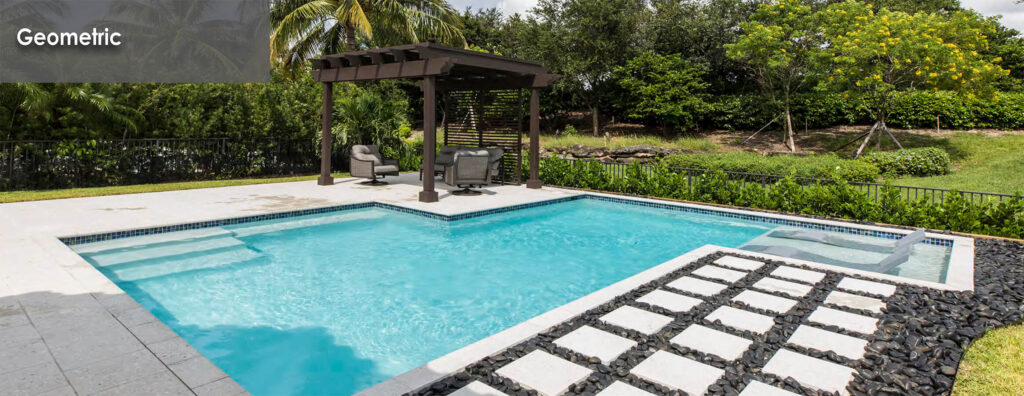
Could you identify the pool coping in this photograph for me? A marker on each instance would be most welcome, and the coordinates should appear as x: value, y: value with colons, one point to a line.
x: 959, y: 276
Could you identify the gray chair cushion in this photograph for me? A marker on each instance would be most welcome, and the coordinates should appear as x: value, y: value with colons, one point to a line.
x: 446, y: 155
x: 367, y: 152
x: 471, y: 167
x: 379, y: 169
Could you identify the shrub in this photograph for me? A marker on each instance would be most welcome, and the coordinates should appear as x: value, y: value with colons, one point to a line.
x: 838, y: 199
x: 569, y: 131
x: 925, y: 161
x: 816, y: 166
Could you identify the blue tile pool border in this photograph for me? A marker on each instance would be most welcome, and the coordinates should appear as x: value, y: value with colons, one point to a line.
x: 767, y: 218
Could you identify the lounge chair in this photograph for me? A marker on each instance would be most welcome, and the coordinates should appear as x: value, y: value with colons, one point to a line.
x: 890, y: 262
x: 366, y: 162
x: 445, y: 157
x: 835, y: 240
x: 470, y: 168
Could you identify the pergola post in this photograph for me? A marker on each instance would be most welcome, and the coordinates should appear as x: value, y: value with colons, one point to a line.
x: 534, y: 180
x: 429, y: 86
x: 325, y: 136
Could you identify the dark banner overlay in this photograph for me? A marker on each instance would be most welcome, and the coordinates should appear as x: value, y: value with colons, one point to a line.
x: 134, y: 41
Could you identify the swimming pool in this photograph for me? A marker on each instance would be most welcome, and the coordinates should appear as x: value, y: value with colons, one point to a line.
x: 334, y: 303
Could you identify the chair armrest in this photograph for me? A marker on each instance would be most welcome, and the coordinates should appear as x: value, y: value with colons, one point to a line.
x: 359, y: 168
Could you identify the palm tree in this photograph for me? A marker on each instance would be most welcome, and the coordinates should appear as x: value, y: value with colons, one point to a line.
x: 308, y: 28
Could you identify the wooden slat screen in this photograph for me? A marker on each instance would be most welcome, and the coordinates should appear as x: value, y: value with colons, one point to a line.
x: 490, y: 118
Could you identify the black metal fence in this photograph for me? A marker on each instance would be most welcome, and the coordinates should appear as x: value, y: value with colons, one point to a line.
x: 38, y: 164
x: 910, y: 193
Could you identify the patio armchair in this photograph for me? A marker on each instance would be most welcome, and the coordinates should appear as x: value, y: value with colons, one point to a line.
x: 445, y: 157
x: 366, y: 162
x: 494, y: 158
x: 470, y: 168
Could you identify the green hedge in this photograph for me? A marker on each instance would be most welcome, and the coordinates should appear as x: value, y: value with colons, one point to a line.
x: 814, y: 166
x: 915, y: 109
x: 840, y: 199
x: 925, y: 161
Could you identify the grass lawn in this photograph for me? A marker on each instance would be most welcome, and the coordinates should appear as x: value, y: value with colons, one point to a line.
x: 37, y: 195
x: 690, y: 143
x: 993, y: 365
x: 981, y: 163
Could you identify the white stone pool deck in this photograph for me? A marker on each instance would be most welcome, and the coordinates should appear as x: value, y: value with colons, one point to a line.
x: 67, y: 329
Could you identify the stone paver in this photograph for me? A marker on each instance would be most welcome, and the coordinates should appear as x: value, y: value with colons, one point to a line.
x: 543, y: 372
x: 758, y: 388
x: 619, y: 388
x: 22, y: 356
x: 33, y: 380
x: 824, y: 340
x: 863, y: 286
x: 197, y: 371
x: 671, y: 301
x: 742, y: 319
x: 113, y: 372
x: 846, y: 320
x: 784, y: 287
x: 637, y: 319
x: 765, y: 301
x: 855, y: 301
x: 711, y: 341
x: 810, y: 372
x: 674, y: 371
x: 222, y: 387
x: 696, y: 286
x: 739, y: 263
x: 477, y: 388
x: 589, y: 341
x: 798, y: 274
x: 715, y: 272
x: 163, y: 383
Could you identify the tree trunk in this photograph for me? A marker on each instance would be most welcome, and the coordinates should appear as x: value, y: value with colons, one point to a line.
x: 789, y: 131
x: 350, y: 37
x: 594, y: 116
x: 866, y: 140
x: 887, y: 131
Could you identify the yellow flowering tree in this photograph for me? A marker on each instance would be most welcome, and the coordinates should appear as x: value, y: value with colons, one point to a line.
x: 876, y: 54
x: 779, y: 44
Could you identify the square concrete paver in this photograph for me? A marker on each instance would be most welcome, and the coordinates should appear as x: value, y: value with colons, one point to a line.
x: 715, y: 272
x: 785, y: 287
x: 765, y: 301
x: 742, y: 319
x: 739, y: 263
x: 824, y: 340
x: 589, y: 341
x: 810, y: 372
x: 696, y: 286
x: 222, y: 387
x: 633, y: 318
x: 674, y: 371
x: 863, y: 286
x: 114, y: 371
x: 545, y: 373
x: 798, y: 274
x: 477, y: 388
x: 33, y: 380
x: 758, y: 388
x: 845, y: 320
x: 711, y: 341
x: 671, y: 301
x: 855, y: 301
x: 619, y: 388
x: 22, y: 356
x: 197, y: 371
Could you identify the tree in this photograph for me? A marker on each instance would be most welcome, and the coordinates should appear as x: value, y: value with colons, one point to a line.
x: 780, y: 44
x: 666, y: 89
x: 305, y: 29
x: 878, y: 54
x: 586, y: 40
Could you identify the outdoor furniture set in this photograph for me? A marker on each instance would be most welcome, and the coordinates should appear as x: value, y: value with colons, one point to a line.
x: 463, y: 167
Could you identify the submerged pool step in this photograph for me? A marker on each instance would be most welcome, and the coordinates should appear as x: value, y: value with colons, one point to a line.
x: 149, y: 252
x: 151, y: 240
x: 206, y: 260
x: 284, y: 225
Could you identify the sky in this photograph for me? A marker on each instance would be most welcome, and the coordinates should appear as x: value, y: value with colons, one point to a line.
x: 1013, y: 13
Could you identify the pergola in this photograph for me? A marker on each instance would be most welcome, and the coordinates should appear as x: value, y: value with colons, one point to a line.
x: 457, y: 73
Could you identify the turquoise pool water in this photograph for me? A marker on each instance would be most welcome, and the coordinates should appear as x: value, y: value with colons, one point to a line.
x: 332, y: 304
